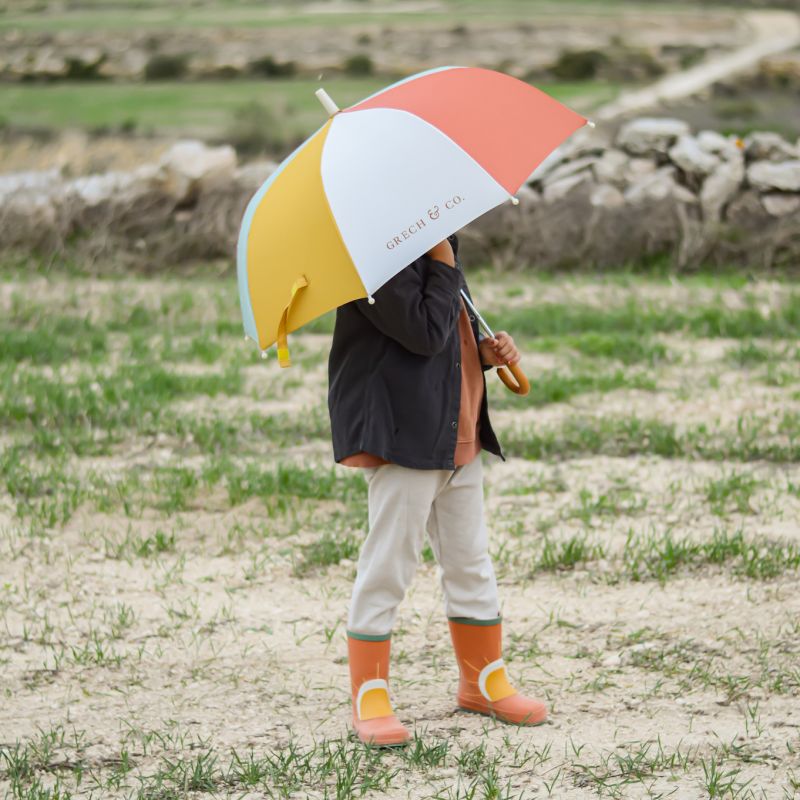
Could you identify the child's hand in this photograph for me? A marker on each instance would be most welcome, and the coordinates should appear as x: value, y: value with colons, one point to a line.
x: 499, y: 351
x: 443, y: 252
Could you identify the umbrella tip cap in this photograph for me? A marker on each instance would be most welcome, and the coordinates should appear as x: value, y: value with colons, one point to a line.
x: 514, y: 201
x: 370, y: 299
x: 591, y: 123
x: 327, y: 102
x: 263, y: 354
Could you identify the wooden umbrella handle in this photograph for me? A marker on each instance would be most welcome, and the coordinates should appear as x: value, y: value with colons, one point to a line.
x: 521, y: 386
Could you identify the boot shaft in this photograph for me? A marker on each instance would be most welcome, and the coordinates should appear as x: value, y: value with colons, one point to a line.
x: 369, y: 676
x: 478, y: 645
x: 368, y: 659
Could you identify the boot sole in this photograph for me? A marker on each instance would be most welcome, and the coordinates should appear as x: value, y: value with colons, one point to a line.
x: 493, y: 715
x: 374, y: 743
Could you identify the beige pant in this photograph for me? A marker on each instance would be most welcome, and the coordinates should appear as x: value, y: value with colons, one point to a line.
x: 403, y: 504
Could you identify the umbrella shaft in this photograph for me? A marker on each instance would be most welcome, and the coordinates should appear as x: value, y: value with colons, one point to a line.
x: 481, y: 321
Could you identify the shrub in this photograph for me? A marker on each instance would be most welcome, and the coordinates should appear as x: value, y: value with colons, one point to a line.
x: 578, y: 65
x: 164, y: 67
x: 80, y: 70
x: 268, y: 67
x: 256, y: 129
x: 358, y: 64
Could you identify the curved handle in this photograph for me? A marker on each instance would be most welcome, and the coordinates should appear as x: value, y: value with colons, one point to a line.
x: 521, y: 386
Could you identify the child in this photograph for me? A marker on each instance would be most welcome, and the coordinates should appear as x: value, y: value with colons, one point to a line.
x: 407, y: 401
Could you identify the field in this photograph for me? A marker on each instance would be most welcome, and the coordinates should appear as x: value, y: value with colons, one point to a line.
x: 177, y: 550
x: 210, y: 108
x: 113, y: 14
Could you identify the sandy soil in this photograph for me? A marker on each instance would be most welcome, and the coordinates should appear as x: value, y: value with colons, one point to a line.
x: 657, y: 688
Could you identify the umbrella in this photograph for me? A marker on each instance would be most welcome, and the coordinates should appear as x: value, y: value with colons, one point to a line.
x: 380, y: 183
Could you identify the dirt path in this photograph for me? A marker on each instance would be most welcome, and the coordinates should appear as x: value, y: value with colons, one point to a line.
x: 773, y: 32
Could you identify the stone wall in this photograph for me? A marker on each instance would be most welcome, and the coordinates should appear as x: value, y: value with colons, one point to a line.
x: 656, y: 189
x: 198, y: 53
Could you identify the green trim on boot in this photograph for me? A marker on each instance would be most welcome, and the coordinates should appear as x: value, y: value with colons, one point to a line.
x: 368, y: 637
x: 472, y: 621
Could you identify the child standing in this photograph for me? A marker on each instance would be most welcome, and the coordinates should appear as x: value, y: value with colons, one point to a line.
x: 407, y: 401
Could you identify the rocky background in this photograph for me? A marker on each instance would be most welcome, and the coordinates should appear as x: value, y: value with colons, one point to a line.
x: 656, y: 189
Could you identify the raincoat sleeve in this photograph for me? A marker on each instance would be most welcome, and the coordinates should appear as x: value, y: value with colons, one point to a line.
x: 418, y: 308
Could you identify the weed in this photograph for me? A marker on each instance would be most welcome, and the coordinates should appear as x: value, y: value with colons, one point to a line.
x: 328, y: 549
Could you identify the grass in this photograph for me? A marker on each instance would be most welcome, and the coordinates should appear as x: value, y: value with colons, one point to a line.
x: 307, y: 483
x: 566, y: 554
x: 51, y: 339
x: 558, y: 386
x: 48, y: 492
x: 341, y: 768
x: 622, y: 346
x: 734, y: 490
x: 240, y: 13
x: 634, y: 763
x: 248, y: 434
x: 174, y: 107
x: 172, y: 526
x: 637, y: 318
x: 660, y: 556
x: 203, y: 107
x: 615, y: 502
x: 95, y: 409
x: 327, y: 550
x: 338, y: 767
x: 751, y: 439
x: 648, y: 556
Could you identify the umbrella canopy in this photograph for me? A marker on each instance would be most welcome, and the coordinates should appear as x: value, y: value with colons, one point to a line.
x: 380, y: 183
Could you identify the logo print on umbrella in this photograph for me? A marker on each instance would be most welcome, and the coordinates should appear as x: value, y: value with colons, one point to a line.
x: 433, y: 214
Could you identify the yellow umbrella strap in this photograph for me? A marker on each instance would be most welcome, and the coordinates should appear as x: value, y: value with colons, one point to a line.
x: 283, y: 346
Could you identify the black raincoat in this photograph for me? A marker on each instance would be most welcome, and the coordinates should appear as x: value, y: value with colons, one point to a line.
x: 394, y: 370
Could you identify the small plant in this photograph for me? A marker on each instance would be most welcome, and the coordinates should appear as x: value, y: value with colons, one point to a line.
x: 735, y: 490
x: 328, y: 549
x: 567, y: 554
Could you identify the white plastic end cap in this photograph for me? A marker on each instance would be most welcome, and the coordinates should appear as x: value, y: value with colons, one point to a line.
x: 327, y: 102
x: 515, y: 201
x: 263, y: 354
x: 370, y: 299
x: 591, y: 123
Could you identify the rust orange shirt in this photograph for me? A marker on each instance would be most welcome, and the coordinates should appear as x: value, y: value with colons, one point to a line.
x: 468, y: 444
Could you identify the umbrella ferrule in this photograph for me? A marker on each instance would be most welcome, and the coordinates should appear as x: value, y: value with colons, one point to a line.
x: 327, y: 102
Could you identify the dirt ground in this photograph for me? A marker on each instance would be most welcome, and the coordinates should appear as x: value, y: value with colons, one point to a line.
x: 173, y: 610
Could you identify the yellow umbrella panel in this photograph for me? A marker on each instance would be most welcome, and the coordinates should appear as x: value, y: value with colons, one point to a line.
x: 291, y: 225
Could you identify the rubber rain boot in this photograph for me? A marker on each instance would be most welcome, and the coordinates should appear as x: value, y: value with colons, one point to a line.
x: 483, y: 685
x: 373, y: 719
